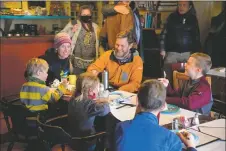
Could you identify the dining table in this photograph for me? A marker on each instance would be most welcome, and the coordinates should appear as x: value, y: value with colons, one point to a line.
x: 124, y: 112
x: 210, y: 133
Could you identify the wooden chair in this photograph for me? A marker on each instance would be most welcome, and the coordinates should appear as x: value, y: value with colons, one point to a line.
x: 21, y: 128
x: 53, y: 131
x: 51, y: 135
x: 179, y: 77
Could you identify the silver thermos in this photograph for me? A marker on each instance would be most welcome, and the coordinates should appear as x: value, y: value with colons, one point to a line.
x: 105, y: 79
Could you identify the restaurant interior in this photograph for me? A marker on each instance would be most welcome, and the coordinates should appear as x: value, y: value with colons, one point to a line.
x: 29, y: 29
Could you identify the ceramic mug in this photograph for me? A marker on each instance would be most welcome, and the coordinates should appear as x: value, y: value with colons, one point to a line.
x: 72, y: 79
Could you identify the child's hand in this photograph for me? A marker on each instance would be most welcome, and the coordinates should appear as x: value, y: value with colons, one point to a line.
x: 64, y: 83
x: 102, y: 100
x: 164, y: 81
x: 55, y: 83
x: 103, y: 96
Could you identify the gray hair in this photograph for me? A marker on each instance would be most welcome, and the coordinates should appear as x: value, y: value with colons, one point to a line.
x: 152, y: 95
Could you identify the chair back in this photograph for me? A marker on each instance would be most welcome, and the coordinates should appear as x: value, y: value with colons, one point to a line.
x: 87, y: 143
x: 19, y: 116
x: 51, y: 134
x: 179, y: 78
x: 178, y: 66
x: 208, y: 79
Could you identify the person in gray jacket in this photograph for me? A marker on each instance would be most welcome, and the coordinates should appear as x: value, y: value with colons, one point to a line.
x: 85, y: 44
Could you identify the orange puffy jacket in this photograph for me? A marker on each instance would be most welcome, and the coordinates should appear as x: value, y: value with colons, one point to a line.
x: 126, y: 77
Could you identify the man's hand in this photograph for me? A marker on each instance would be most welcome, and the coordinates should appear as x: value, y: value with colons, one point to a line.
x: 163, y: 53
x: 164, y: 81
x: 187, y: 138
x: 122, y: 9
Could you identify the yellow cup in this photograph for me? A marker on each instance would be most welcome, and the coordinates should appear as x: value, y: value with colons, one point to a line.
x: 72, y: 79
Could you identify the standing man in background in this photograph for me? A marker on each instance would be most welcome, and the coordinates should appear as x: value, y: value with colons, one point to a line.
x: 180, y: 36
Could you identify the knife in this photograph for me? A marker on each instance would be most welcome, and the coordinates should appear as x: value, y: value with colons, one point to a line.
x: 132, y: 105
x: 121, y: 106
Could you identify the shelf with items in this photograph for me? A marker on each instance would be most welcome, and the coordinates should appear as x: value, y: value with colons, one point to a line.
x: 152, y: 19
x: 9, y: 20
x: 22, y: 17
x: 154, y: 13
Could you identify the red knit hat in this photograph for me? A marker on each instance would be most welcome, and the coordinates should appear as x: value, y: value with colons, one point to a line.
x: 61, y: 38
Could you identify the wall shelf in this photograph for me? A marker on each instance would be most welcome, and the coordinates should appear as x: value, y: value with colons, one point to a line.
x: 33, y: 17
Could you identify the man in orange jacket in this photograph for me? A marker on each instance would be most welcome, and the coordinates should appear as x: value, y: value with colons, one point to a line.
x: 124, y: 65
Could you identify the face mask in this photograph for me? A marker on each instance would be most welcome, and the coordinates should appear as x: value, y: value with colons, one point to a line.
x: 86, y: 19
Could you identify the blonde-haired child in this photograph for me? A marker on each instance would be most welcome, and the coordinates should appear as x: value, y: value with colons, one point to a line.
x: 34, y: 93
x: 84, y: 107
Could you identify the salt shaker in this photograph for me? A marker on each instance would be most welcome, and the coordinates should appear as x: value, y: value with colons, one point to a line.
x: 175, y: 124
x: 105, y: 79
x: 195, y: 120
x: 186, y: 122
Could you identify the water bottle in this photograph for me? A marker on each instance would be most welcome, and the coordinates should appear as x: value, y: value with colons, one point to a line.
x: 105, y: 79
